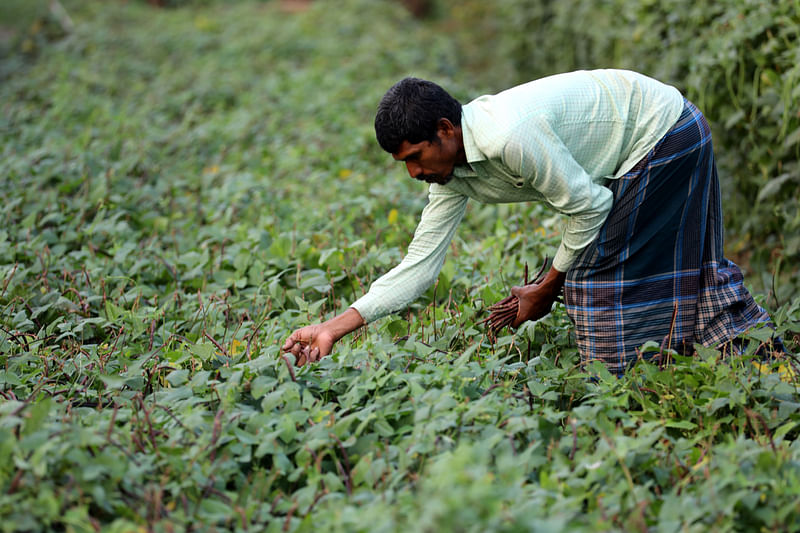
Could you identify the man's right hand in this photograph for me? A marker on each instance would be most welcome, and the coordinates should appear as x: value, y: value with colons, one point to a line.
x: 311, y: 343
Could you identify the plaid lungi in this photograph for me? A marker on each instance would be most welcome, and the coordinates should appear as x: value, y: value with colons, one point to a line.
x: 656, y: 272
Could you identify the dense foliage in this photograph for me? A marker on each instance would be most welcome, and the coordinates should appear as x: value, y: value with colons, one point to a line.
x: 184, y: 187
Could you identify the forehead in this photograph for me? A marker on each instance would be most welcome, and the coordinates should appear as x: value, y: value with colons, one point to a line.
x: 407, y: 149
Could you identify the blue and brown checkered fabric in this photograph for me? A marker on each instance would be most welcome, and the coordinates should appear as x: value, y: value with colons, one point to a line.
x: 656, y: 271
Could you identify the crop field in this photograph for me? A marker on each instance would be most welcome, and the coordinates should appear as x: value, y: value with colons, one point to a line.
x: 184, y: 185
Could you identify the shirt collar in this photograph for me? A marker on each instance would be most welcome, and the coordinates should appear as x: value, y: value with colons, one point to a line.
x: 470, y: 147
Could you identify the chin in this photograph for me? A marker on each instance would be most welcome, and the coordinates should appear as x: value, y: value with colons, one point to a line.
x: 440, y: 179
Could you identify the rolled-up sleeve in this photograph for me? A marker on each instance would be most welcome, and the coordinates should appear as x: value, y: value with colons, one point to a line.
x: 421, y: 265
x: 545, y: 163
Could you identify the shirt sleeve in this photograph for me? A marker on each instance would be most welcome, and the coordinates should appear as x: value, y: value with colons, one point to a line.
x: 545, y: 162
x: 423, y: 261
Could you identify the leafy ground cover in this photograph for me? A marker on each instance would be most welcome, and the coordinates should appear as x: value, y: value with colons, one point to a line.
x: 185, y: 187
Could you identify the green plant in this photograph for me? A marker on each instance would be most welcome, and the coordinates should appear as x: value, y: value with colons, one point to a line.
x: 186, y: 187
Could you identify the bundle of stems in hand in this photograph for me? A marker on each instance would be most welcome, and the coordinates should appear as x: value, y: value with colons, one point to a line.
x: 504, y: 312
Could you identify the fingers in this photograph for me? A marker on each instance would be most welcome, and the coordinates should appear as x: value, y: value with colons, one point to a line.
x: 307, y: 355
x: 314, y: 355
x: 293, y: 339
x: 302, y: 351
x: 297, y: 349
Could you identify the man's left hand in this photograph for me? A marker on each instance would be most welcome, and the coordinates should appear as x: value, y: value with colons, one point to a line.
x: 536, y: 299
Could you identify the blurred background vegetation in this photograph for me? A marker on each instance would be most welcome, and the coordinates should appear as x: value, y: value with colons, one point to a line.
x: 739, y: 61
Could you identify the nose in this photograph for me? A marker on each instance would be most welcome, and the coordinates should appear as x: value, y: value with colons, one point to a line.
x: 414, y: 170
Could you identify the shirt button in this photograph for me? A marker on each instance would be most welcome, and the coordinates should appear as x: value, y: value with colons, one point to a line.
x: 519, y: 183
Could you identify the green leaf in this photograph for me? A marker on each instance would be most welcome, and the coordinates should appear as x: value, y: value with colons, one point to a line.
x: 204, y: 351
x: 680, y: 424
x: 773, y: 186
x: 113, y: 382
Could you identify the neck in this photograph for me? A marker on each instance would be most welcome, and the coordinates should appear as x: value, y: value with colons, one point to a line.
x: 461, y: 155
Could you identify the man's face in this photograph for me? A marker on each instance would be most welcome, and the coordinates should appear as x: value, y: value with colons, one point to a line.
x: 427, y: 161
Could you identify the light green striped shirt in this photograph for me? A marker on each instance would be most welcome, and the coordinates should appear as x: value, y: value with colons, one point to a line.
x: 555, y: 140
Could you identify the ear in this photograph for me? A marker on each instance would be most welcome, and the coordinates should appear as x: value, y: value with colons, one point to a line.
x: 445, y: 128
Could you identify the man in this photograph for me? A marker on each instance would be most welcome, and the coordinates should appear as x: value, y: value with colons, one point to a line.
x: 625, y: 157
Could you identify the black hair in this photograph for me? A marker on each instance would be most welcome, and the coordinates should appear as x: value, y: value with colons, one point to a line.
x: 410, y: 111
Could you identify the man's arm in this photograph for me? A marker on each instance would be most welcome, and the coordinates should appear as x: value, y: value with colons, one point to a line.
x: 398, y: 287
x: 312, y: 342
x: 546, y: 163
x: 421, y: 265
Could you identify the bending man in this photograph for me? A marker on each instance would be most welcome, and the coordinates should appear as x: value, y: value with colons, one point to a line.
x: 625, y: 157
